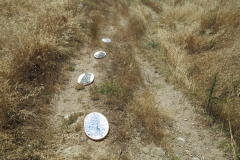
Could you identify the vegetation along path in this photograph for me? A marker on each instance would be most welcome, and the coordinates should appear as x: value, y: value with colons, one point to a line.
x: 186, y: 135
x: 157, y: 85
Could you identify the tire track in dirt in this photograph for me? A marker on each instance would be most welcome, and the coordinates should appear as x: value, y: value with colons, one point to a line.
x: 188, y: 138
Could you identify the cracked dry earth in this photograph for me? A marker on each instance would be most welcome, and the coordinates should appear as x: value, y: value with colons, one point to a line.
x: 188, y: 138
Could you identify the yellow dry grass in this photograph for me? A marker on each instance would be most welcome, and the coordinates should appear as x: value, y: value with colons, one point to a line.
x: 198, y: 39
x: 149, y: 117
x: 195, y: 44
x: 37, y: 37
x: 200, y: 44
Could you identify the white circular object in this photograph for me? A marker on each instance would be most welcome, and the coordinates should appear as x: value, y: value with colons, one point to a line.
x: 106, y: 40
x: 99, y: 54
x: 96, y: 126
x: 85, y: 78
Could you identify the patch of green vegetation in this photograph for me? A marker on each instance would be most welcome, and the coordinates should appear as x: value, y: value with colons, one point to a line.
x: 71, y: 68
x: 110, y: 88
x: 224, y: 145
x: 153, y: 44
x: 211, y: 100
x: 47, y: 93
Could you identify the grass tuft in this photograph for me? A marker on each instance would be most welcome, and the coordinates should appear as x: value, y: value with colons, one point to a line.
x: 94, y: 93
x: 136, y: 27
x: 149, y: 117
x: 79, y: 86
x: 94, y: 27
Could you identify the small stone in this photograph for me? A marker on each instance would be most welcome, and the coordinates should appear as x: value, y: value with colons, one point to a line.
x: 146, y: 150
x: 181, y: 139
x: 185, y: 119
x: 196, y: 158
x: 187, y: 151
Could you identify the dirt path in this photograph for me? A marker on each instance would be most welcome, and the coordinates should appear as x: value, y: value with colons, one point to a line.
x: 72, y: 142
x: 188, y: 138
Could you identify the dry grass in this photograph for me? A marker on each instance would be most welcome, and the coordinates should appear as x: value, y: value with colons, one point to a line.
x: 94, y: 27
x: 79, y: 87
x: 194, y: 44
x: 70, y: 120
x: 149, y: 117
x: 156, y: 7
x: 130, y: 107
x: 136, y: 27
x: 78, y: 127
x: 127, y: 78
x: 127, y: 113
x: 37, y: 38
x: 201, y: 48
x: 94, y: 93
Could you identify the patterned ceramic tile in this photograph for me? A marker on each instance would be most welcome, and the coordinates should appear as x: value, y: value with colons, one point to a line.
x: 96, y: 126
x: 86, y: 78
x: 99, y: 54
x: 106, y: 40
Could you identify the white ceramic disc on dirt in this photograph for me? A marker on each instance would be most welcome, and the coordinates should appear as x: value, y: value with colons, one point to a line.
x: 99, y: 54
x: 96, y: 126
x: 85, y: 78
x: 106, y: 40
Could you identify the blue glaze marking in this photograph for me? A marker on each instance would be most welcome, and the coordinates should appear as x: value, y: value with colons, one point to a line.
x: 96, y: 126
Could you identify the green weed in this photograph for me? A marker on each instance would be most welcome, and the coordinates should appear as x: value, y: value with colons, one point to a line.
x: 153, y: 44
x: 110, y: 88
x: 71, y: 68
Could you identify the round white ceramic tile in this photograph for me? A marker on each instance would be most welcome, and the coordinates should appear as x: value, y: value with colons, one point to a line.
x: 106, y: 40
x: 85, y: 78
x: 99, y: 54
x: 96, y: 126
